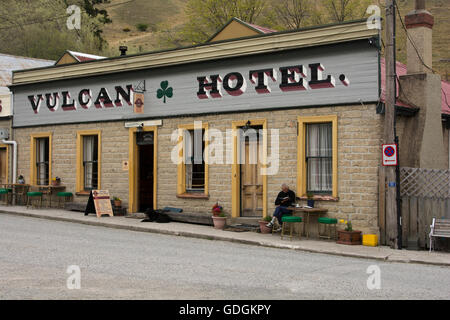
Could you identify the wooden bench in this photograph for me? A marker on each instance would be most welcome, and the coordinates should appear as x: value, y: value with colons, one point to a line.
x: 439, y: 228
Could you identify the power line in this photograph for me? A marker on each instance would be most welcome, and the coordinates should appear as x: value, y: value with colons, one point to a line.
x: 417, y: 52
x: 412, y: 42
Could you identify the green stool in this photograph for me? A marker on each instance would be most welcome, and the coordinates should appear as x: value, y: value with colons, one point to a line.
x: 64, y: 196
x: 284, y: 215
x: 6, y: 192
x: 291, y: 221
x: 328, y: 224
x: 34, y: 194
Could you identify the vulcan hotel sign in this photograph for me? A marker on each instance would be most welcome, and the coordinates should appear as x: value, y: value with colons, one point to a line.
x: 346, y: 74
x: 292, y: 78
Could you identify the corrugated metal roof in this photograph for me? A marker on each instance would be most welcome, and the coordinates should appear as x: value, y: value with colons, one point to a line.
x: 401, y: 71
x: 261, y: 29
x: 8, y: 63
x: 80, y: 56
x: 252, y: 45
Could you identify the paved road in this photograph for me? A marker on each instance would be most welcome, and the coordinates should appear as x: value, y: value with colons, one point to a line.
x: 121, y: 264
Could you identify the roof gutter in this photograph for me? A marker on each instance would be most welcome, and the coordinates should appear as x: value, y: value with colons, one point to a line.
x: 260, y: 44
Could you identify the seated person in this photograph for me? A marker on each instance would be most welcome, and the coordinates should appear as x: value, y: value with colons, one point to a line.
x: 285, y: 199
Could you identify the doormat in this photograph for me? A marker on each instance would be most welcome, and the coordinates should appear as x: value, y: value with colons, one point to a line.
x: 241, y: 228
x: 234, y: 229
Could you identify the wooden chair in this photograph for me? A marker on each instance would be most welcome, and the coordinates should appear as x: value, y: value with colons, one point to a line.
x: 20, y: 193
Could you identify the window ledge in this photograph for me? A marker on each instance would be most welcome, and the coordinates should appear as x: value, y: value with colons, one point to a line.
x: 193, y: 196
x: 83, y: 193
x: 321, y: 198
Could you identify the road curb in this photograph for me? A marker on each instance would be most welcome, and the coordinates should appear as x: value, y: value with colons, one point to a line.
x: 187, y: 234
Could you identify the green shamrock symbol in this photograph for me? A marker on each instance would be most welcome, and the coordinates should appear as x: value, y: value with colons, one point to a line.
x: 165, y: 91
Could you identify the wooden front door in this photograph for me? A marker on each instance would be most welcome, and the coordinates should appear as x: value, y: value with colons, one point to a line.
x: 3, y: 166
x: 251, y: 182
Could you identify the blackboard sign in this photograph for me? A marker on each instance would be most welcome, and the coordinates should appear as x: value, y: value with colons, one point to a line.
x: 99, y: 203
x: 144, y: 138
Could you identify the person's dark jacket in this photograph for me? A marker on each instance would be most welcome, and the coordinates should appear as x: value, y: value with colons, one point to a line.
x: 282, y: 195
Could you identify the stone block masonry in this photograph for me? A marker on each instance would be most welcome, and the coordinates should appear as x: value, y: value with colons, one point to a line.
x: 359, y: 156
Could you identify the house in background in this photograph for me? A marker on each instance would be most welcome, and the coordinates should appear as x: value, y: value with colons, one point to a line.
x: 9, y: 63
x: 74, y: 57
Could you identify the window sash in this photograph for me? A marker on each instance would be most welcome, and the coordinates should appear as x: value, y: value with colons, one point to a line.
x: 194, y: 161
x: 42, y: 161
x: 90, y: 162
x: 319, y: 157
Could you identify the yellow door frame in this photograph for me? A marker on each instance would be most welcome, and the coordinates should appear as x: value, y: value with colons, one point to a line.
x: 5, y: 146
x: 235, y: 175
x: 134, y: 166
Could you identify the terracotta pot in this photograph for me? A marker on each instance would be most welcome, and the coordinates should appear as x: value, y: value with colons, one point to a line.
x: 264, y: 228
x: 219, y: 222
x: 117, y: 203
x: 349, y: 237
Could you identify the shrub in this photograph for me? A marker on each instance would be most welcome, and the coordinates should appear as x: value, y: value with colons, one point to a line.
x: 126, y: 30
x: 142, y: 27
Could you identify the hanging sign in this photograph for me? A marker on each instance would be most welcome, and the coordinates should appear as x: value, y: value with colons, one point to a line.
x: 99, y: 203
x: 138, y: 102
x: 389, y: 154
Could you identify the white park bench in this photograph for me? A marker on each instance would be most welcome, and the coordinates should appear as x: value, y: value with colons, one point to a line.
x: 439, y: 228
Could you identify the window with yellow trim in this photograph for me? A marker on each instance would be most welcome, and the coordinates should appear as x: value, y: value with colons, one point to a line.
x: 318, y: 155
x: 193, y: 169
x: 194, y: 149
x: 41, y: 159
x: 88, y: 155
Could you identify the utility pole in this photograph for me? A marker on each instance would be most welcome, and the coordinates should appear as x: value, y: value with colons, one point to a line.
x: 392, y: 220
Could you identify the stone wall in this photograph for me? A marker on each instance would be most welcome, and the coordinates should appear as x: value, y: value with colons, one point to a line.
x: 359, y: 139
x: 114, y: 138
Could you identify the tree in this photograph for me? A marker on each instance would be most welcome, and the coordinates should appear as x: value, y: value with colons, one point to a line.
x: 205, y: 17
x: 38, y: 28
x: 344, y: 10
x: 293, y: 14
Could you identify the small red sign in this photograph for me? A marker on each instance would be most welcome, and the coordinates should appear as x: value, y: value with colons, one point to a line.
x: 390, y: 156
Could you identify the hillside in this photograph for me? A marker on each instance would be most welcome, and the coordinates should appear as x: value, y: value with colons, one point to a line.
x: 154, y: 13
x: 162, y: 15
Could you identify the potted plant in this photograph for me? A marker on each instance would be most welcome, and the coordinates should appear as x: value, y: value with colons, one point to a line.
x: 117, y: 202
x: 348, y: 235
x: 310, y: 199
x: 219, y: 217
x: 21, y: 179
x: 263, y: 225
x: 56, y: 181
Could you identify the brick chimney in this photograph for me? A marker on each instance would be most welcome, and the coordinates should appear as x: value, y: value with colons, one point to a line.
x: 421, y: 142
x: 419, y: 24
